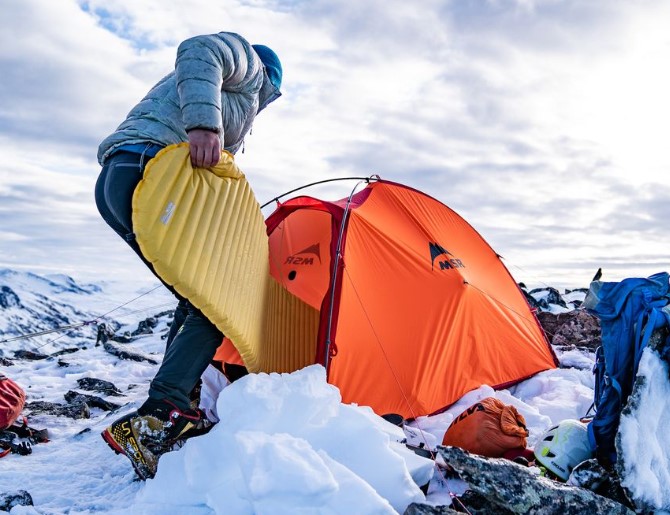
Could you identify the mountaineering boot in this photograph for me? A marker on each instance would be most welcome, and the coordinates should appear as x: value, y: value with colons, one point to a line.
x: 155, y: 428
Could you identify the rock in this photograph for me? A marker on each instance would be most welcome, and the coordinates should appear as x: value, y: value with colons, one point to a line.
x: 548, y: 296
x: 471, y: 501
x: 29, y: 355
x: 121, y: 338
x: 576, y: 329
x: 11, y: 499
x: 592, y: 475
x: 503, y: 485
x: 477, y: 504
x: 145, y: 326
x: 532, y: 301
x: 75, y: 398
x: 577, y: 303
x: 124, y: 354
x: 588, y: 474
x: 77, y: 411
x: 69, y: 350
x: 9, y: 299
x: 427, y: 509
x: 83, y: 432
x: 98, y: 385
x: 6, y: 362
x: 103, y: 334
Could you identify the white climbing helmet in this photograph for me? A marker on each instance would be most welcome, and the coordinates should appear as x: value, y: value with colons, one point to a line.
x: 561, y: 448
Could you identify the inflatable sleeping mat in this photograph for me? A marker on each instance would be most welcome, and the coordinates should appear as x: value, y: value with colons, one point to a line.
x: 204, y: 233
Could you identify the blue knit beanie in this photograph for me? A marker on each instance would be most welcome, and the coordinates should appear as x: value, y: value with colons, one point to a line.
x: 271, y: 62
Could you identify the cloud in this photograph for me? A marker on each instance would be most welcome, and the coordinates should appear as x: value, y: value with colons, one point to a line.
x: 65, y: 79
x: 542, y: 122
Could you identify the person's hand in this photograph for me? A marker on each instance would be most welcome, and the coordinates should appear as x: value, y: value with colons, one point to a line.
x: 205, y: 148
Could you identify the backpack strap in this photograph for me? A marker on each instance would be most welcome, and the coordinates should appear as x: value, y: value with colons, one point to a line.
x: 654, y: 318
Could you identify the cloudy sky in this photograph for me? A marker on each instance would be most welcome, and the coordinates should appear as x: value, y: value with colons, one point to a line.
x: 544, y: 123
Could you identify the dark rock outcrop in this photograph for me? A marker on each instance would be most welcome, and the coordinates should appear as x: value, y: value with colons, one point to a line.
x: 121, y: 338
x: 145, y: 326
x: 8, y: 299
x: 549, y: 296
x: 11, y: 499
x: 29, y: 355
x: 592, y: 475
x: 532, y: 302
x: 103, y: 334
x: 76, y: 410
x: 573, y: 330
x: 503, y: 487
x: 75, y: 398
x: 425, y: 509
x: 69, y: 350
x: 124, y: 354
x: 98, y: 385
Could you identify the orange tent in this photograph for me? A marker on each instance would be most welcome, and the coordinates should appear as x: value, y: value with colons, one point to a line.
x: 416, y: 309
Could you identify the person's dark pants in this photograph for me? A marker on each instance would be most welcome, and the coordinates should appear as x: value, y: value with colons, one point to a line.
x: 193, y: 339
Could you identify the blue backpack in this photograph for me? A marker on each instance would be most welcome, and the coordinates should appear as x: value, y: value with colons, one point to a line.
x: 629, y: 311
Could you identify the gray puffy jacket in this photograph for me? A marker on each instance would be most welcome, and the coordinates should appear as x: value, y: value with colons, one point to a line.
x: 219, y: 83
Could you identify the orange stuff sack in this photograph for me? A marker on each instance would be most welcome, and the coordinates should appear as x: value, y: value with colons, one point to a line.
x: 489, y: 428
x: 12, y: 399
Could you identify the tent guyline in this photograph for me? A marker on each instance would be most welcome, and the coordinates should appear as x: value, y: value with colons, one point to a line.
x: 48, y: 331
x: 390, y: 367
x: 74, y: 326
x: 385, y: 355
x: 511, y: 310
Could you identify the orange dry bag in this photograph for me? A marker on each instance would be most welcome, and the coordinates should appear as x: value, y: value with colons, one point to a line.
x: 489, y: 427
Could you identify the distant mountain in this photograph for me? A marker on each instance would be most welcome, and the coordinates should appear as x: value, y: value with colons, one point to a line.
x: 31, y: 303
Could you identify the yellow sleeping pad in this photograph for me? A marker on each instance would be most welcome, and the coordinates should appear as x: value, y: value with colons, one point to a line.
x: 203, y: 231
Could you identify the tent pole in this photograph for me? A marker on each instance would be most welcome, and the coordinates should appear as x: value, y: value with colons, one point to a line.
x: 369, y: 179
x: 338, y: 256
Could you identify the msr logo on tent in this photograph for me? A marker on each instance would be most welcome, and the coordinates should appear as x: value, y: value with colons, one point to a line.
x: 445, y: 262
x: 299, y: 258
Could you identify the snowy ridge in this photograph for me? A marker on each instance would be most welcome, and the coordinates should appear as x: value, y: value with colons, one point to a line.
x: 31, y: 303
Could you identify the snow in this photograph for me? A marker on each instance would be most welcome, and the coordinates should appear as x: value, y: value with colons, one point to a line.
x: 646, y: 447
x: 285, y: 443
x: 576, y: 358
x: 575, y: 296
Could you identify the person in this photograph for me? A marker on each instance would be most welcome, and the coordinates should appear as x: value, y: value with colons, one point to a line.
x: 219, y: 84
